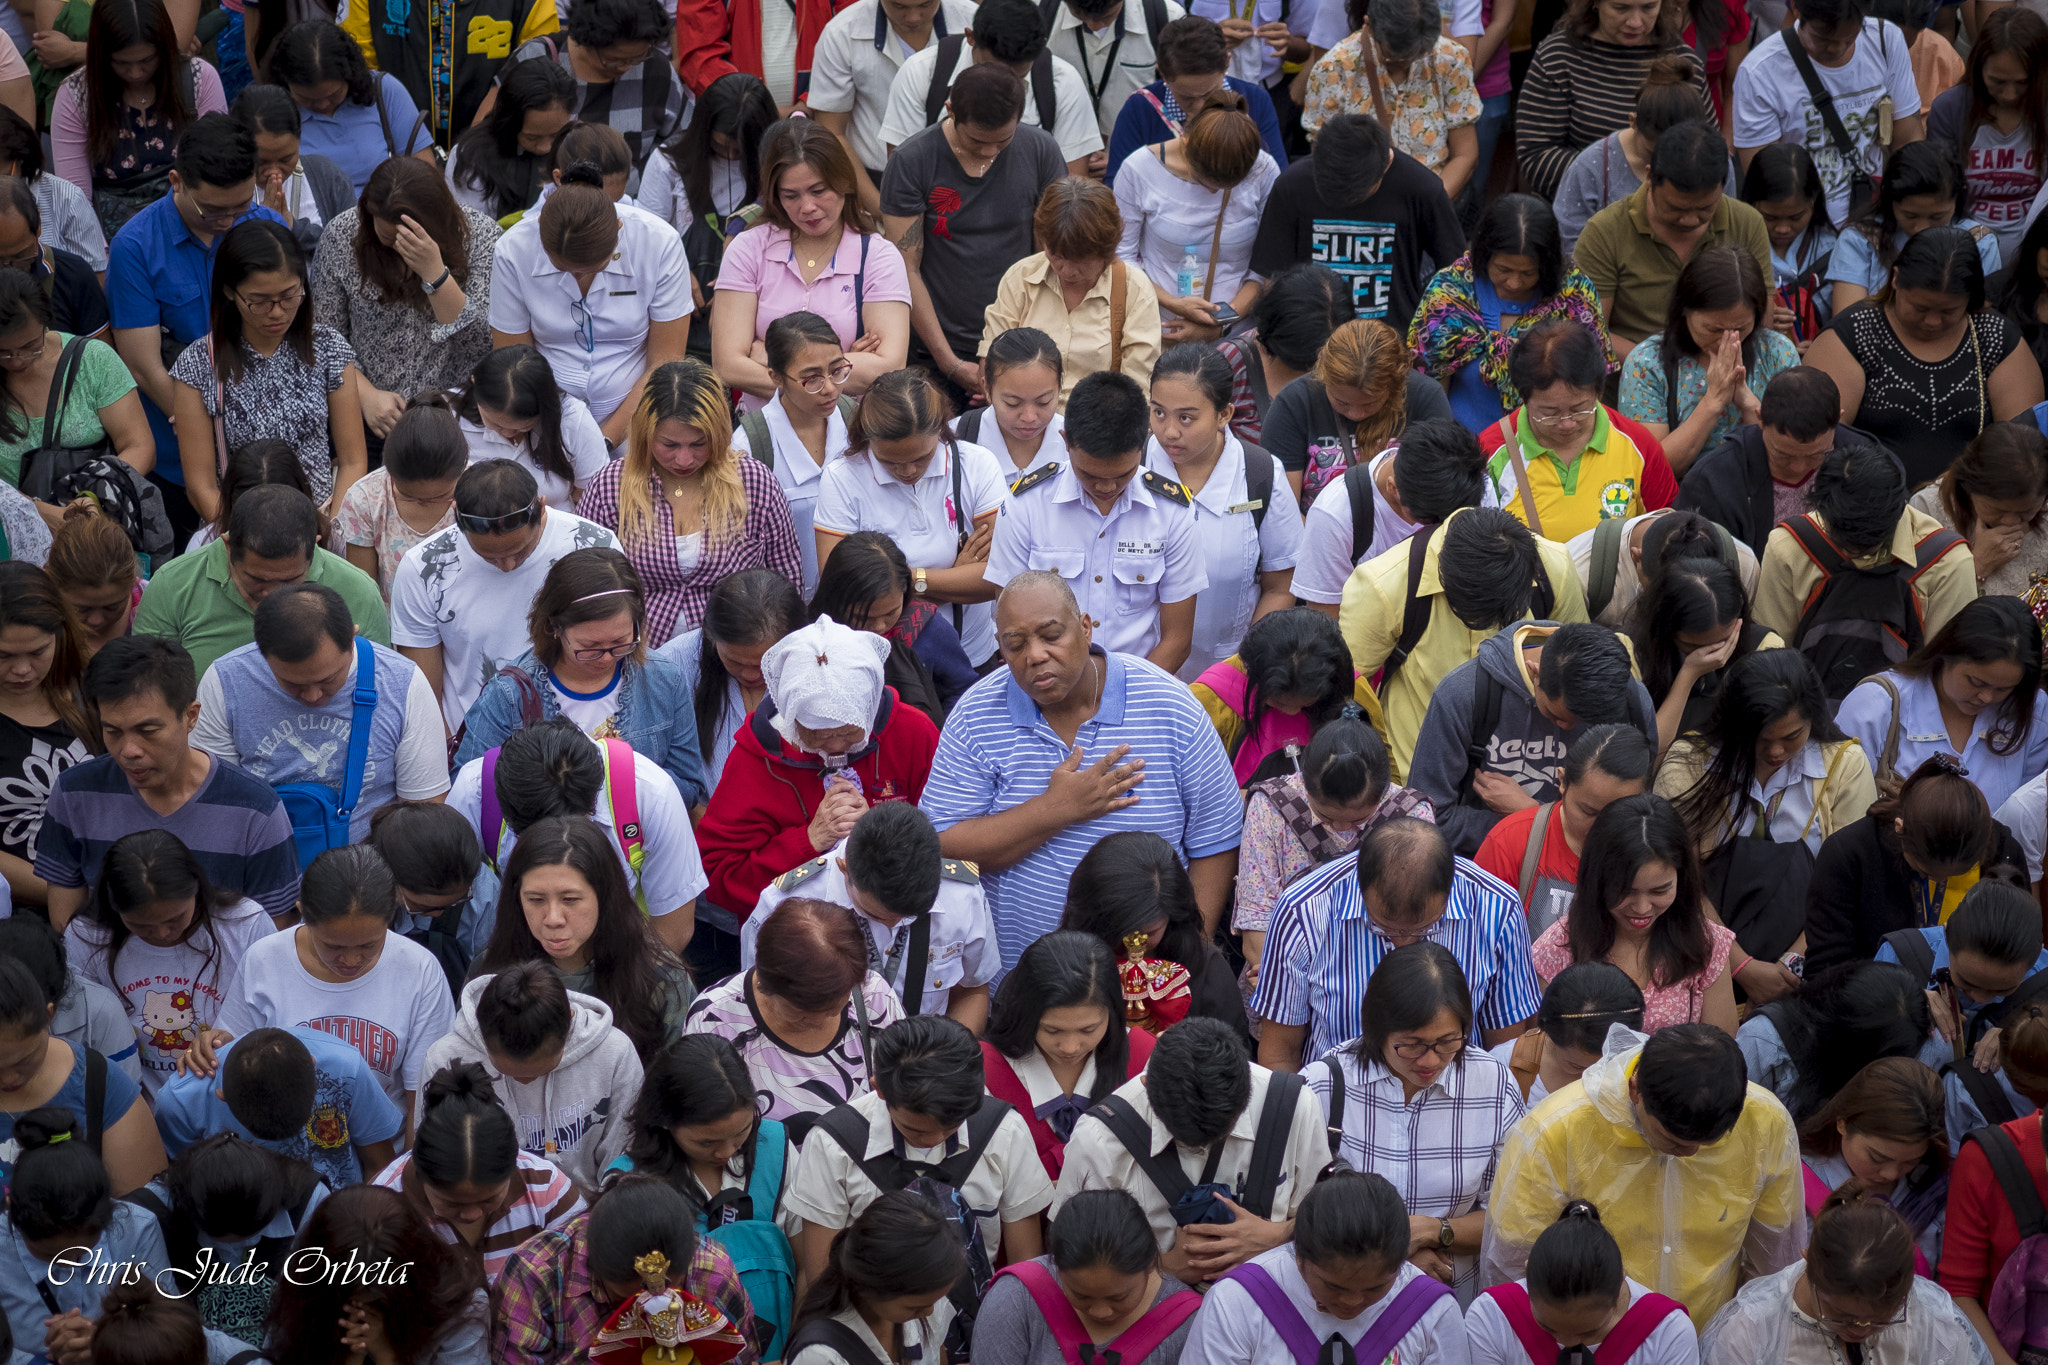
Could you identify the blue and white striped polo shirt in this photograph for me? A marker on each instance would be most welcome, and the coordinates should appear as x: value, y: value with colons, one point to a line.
x: 1321, y: 949
x: 997, y: 752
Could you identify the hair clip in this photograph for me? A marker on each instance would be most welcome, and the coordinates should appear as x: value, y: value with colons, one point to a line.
x: 1950, y: 764
x: 56, y: 1138
x: 1351, y: 710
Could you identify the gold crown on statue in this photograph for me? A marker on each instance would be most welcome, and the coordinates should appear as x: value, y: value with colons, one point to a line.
x: 652, y: 1270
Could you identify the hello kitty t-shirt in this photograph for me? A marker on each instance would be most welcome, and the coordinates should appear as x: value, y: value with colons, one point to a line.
x: 391, y: 1014
x: 169, y: 993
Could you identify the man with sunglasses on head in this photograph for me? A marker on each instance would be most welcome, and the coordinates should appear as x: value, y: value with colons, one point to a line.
x: 207, y: 601
x: 160, y: 275
x: 459, y: 599
x: 297, y: 688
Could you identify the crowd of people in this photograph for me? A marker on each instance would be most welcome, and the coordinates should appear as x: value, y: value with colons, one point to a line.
x: 1032, y: 682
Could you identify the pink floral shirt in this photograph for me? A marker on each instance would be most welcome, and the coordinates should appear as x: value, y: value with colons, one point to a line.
x: 1437, y: 96
x: 369, y: 516
x: 1663, y: 1006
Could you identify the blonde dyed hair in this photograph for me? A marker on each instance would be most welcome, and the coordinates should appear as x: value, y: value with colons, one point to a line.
x: 1369, y: 355
x: 687, y: 391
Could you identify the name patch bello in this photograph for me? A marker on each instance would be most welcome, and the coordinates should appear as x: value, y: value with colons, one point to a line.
x: 1141, y: 547
x: 307, y: 1265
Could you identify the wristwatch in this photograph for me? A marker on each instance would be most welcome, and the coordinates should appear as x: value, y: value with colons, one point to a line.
x: 919, y: 583
x: 1444, y: 1235
x: 446, y: 271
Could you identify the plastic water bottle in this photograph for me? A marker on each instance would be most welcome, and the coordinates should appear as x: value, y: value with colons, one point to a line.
x: 1190, y: 270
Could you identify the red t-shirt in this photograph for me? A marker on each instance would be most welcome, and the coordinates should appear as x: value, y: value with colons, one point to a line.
x: 1501, y: 853
x: 1981, y: 1232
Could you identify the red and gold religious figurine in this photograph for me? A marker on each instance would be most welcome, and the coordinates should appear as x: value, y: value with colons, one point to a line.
x: 1156, y: 993
x: 664, y: 1326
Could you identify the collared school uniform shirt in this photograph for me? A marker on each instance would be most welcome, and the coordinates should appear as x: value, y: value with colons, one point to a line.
x: 1232, y: 1329
x: 997, y: 752
x: 856, y: 59
x: 1321, y: 951
x: 797, y: 470
x: 1235, y: 548
x: 860, y: 494
x: 597, y: 343
x: 1007, y: 1185
x: 1117, y: 60
x: 1098, y: 1160
x: 1866, y: 716
x: 1122, y: 564
x: 1074, y: 125
x: 962, y: 951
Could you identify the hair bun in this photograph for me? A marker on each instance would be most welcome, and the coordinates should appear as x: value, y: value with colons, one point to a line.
x: 583, y: 173
x: 45, y: 1127
x: 458, y: 1081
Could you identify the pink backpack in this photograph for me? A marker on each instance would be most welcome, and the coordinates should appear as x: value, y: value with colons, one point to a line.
x: 1139, y: 1340
x: 1276, y: 729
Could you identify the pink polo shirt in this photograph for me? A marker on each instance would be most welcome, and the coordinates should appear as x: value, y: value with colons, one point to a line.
x: 759, y: 262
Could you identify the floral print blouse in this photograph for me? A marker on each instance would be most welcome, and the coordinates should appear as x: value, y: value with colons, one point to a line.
x: 279, y: 397
x: 1644, y: 385
x: 403, y: 350
x: 1437, y: 97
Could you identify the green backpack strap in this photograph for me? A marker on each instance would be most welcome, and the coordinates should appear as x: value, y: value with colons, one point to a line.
x: 1606, y: 560
x: 847, y: 405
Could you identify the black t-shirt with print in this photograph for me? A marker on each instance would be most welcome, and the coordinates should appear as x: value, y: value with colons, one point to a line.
x: 1386, y: 246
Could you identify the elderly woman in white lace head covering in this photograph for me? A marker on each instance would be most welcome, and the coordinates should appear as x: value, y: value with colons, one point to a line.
x: 828, y: 741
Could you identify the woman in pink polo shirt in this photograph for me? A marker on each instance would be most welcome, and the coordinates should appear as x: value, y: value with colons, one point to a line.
x: 816, y: 254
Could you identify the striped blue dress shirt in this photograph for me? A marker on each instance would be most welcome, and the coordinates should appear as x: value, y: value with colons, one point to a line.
x: 1321, y: 950
x: 997, y: 752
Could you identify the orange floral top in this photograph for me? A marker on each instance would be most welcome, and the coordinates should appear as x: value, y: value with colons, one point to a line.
x: 1437, y: 96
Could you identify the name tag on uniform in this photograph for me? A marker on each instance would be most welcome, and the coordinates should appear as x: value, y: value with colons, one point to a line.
x: 620, y: 293
x: 1141, y: 547
x: 1254, y: 505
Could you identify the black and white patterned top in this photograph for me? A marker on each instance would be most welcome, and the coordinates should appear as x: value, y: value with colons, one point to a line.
x: 645, y: 105
x: 1926, y: 413
x: 403, y: 350
x: 281, y: 398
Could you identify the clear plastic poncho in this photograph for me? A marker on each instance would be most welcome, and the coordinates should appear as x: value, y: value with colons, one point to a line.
x: 1685, y: 1224
x: 1763, y: 1324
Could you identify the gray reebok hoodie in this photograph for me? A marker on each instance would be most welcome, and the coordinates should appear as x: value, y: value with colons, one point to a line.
x: 1526, y: 744
x: 582, y: 1106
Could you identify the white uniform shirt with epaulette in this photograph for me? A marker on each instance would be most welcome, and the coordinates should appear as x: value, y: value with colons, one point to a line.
x: 963, y: 949
x: 1121, y: 565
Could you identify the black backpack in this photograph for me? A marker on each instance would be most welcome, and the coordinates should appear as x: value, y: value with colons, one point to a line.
x: 940, y: 1184
x: 1193, y: 1202
x: 937, y: 93
x: 1416, y: 616
x: 1861, y: 621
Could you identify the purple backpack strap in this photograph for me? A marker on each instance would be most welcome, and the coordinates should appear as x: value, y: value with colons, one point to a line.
x: 490, y: 828
x: 1400, y: 1317
x: 1281, y: 1312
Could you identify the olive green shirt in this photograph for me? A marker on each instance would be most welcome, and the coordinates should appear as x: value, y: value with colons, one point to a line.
x: 1635, y: 272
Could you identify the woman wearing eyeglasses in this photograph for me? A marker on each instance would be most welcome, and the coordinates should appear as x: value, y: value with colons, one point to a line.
x: 589, y: 658
x: 1578, y: 461
x: 1639, y: 906
x: 1412, y: 1102
x: 101, y: 403
x: 266, y: 369
x: 803, y: 428
x: 1854, y: 1297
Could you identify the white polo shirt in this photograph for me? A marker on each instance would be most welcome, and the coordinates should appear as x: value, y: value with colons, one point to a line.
x: 797, y: 472
x: 963, y: 937
x: 1007, y: 1185
x: 860, y: 494
x: 1074, y: 127
x: 1251, y: 60
x: 1098, y: 1160
x: 1122, y: 566
x: 1235, y: 548
x: 672, y: 873
x: 1119, y: 59
x: 647, y: 280
x: 857, y: 57
x: 582, y: 442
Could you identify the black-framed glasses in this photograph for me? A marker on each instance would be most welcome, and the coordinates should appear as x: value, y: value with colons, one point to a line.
x: 511, y: 521
x: 1446, y: 1048
x: 606, y: 655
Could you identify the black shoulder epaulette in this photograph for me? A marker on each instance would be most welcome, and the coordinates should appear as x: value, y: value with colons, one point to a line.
x: 797, y: 876
x: 959, y: 870
x: 1170, y: 489
x: 1026, y: 482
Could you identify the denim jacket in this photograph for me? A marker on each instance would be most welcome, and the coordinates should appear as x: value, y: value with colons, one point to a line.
x: 655, y: 715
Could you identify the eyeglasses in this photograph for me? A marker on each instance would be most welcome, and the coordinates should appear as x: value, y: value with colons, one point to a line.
x: 27, y: 352
x: 272, y: 303
x: 1400, y: 935
x: 1445, y: 1048
x: 604, y: 656
x: 586, y: 325
x: 1851, y: 1324
x: 1562, y: 419
x: 207, y: 214
x: 30, y: 259
x: 837, y: 375
x: 511, y: 521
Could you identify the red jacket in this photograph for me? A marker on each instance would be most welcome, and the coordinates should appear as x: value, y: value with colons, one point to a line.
x: 1981, y: 1231
x: 717, y: 37
x: 757, y: 825
x: 1004, y: 1085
